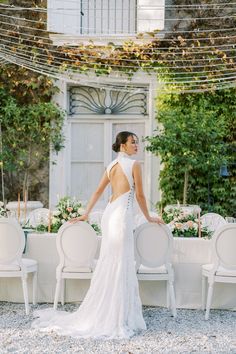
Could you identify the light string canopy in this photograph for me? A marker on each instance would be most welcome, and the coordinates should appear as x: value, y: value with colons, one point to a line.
x: 127, y: 87
x: 76, y: 77
x: 185, y: 60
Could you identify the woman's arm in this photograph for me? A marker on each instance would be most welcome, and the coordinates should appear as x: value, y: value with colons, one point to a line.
x: 94, y: 198
x: 137, y: 174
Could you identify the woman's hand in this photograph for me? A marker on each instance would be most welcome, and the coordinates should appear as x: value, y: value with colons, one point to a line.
x: 156, y: 220
x: 80, y: 218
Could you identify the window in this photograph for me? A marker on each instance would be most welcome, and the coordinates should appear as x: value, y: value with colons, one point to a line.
x: 105, y: 17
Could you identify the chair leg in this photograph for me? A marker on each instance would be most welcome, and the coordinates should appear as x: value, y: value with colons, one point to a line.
x: 25, y: 292
x: 35, y: 285
x: 209, y: 299
x: 63, y: 292
x: 57, y: 293
x: 172, y: 298
x: 203, y: 292
x: 167, y: 295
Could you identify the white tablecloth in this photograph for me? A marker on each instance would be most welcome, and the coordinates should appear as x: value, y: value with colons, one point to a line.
x: 189, y: 255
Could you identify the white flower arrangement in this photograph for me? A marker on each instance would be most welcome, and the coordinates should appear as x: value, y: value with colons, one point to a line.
x: 184, y: 223
x: 66, y: 209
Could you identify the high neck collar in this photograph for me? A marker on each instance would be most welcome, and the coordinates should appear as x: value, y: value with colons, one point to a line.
x: 123, y: 154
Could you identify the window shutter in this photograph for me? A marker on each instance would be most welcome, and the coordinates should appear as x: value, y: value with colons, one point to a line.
x: 64, y: 16
x: 150, y: 15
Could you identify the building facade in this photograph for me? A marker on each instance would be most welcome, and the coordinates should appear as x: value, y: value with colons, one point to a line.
x: 98, y: 110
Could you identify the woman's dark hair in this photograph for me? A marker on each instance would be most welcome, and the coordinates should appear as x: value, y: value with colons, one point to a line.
x: 121, y: 138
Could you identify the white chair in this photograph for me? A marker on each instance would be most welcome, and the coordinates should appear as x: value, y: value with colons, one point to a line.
x: 76, y: 245
x: 140, y: 219
x: 223, y: 268
x: 153, y: 251
x: 12, y: 265
x: 212, y: 221
x: 96, y: 217
x: 38, y: 216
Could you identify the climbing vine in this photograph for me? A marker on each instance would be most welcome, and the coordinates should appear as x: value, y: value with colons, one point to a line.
x: 30, y: 125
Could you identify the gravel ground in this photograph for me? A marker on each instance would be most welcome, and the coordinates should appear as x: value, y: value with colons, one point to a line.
x: 188, y: 333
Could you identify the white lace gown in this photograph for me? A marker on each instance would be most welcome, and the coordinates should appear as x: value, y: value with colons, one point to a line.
x: 112, y: 306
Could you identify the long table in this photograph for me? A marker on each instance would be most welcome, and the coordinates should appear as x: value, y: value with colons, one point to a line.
x: 188, y: 256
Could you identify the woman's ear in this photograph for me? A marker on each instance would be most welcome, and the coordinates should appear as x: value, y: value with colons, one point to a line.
x: 122, y: 148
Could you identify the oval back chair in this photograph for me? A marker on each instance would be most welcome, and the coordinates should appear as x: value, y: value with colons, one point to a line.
x: 76, y: 245
x: 153, y: 251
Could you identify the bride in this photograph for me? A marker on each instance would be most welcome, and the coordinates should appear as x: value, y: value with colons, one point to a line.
x: 112, y: 306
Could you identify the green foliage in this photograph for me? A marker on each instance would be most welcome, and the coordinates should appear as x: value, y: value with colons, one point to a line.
x: 30, y: 125
x: 196, y: 135
x: 26, y: 86
x: 3, y: 210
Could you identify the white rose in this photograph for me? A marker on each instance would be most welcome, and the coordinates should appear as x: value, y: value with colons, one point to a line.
x: 80, y: 210
x: 185, y: 226
x: 63, y: 221
x: 56, y: 212
x: 54, y: 220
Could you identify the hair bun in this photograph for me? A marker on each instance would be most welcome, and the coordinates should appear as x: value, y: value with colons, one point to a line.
x: 115, y: 147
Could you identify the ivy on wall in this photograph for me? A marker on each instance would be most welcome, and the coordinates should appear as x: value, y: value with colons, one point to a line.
x: 30, y: 124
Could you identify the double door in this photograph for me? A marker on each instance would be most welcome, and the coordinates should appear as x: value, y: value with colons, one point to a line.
x: 91, y: 152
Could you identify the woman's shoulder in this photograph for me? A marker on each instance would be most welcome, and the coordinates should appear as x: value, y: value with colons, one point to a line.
x: 111, y: 164
x: 136, y: 164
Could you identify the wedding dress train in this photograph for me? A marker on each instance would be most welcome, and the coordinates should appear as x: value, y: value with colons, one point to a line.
x: 112, y: 306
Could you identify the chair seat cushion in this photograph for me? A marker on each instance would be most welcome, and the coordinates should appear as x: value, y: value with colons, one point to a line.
x: 28, y: 262
x: 221, y: 271
x: 71, y: 269
x: 147, y: 270
x: 14, y: 266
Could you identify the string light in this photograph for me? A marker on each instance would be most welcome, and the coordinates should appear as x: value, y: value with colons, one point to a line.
x: 99, y: 34
x: 63, y: 61
x: 201, y: 6
x: 84, y: 48
x: 38, y: 59
x: 115, y: 87
x: 89, y: 28
x: 52, y: 51
x: 176, y: 79
x: 51, y: 71
x: 213, y: 30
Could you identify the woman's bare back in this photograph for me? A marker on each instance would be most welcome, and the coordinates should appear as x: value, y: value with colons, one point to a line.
x: 119, y: 182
